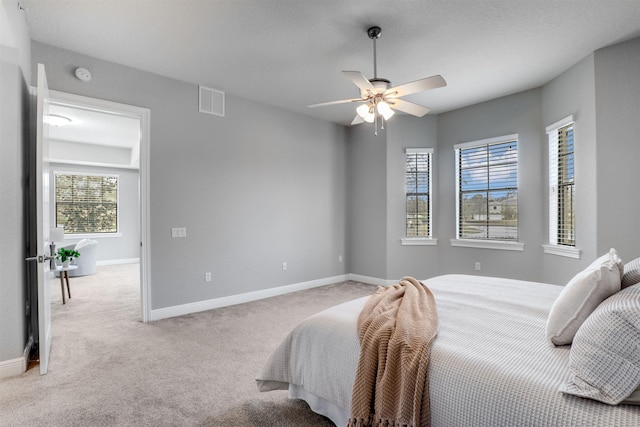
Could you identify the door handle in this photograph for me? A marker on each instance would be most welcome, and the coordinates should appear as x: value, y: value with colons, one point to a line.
x: 40, y: 258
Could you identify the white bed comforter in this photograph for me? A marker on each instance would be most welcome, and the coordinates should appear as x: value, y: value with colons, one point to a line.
x: 491, y: 363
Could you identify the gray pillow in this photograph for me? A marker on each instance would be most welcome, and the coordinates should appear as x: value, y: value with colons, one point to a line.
x: 604, y: 358
x: 631, y: 274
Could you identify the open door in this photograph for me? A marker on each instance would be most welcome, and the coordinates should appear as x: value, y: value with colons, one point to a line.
x: 42, y: 223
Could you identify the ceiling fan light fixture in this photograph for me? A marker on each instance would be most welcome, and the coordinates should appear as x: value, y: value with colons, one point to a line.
x: 385, y: 110
x: 366, y: 112
x: 378, y: 98
x: 369, y: 118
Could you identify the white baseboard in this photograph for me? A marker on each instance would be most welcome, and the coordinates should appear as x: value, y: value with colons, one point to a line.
x: 195, y: 307
x: 17, y: 366
x: 118, y: 261
x: 371, y: 280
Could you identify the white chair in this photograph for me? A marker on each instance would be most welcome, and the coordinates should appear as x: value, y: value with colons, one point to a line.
x: 86, y: 262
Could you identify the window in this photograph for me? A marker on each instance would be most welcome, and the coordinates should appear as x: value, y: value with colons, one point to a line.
x: 418, y: 192
x: 561, y: 183
x: 487, y: 189
x: 86, y: 204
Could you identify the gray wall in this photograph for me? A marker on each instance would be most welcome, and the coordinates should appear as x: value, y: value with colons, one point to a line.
x: 416, y: 261
x: 376, y: 189
x: 601, y: 91
x: 367, y: 202
x: 617, y: 81
x: 376, y: 186
x: 573, y: 93
x: 256, y: 188
x: 521, y: 114
x: 14, y: 143
x: 112, y: 249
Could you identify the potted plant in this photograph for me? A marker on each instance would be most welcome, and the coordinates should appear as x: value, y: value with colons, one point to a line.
x: 66, y: 256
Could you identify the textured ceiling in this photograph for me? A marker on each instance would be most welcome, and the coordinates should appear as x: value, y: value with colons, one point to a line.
x: 290, y: 53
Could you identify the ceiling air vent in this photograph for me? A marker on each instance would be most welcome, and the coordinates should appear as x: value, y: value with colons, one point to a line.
x: 211, y: 101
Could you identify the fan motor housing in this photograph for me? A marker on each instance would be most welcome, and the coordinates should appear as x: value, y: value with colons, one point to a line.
x: 380, y: 84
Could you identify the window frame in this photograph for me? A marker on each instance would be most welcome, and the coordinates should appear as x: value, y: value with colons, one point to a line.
x: 69, y: 235
x: 484, y: 243
x: 554, y: 247
x: 419, y: 240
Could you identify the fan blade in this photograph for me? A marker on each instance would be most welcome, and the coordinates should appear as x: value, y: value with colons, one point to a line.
x: 421, y: 85
x: 342, y: 101
x: 359, y: 80
x: 408, y: 107
x: 357, y: 120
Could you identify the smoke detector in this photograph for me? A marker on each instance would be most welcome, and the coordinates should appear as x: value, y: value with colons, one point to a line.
x: 83, y: 74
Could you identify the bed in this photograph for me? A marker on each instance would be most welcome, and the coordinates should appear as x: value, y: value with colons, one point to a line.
x: 491, y: 364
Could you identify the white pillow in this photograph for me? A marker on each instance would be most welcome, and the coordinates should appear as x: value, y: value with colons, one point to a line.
x: 604, y: 358
x: 582, y: 295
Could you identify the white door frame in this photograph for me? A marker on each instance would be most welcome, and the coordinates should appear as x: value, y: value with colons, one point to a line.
x: 144, y: 115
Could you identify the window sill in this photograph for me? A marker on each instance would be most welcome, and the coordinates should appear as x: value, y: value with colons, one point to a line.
x: 91, y: 236
x: 560, y: 250
x: 419, y: 241
x: 502, y: 245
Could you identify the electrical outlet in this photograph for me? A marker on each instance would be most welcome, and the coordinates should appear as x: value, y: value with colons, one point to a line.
x: 478, y: 266
x: 284, y: 266
x: 207, y: 277
x: 339, y: 258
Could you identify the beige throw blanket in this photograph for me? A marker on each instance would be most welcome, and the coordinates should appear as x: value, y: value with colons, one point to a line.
x: 396, y: 328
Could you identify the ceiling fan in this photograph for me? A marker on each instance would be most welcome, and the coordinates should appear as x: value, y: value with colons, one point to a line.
x: 378, y: 98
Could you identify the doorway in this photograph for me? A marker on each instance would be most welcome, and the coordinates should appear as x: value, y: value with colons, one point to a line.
x: 107, y: 135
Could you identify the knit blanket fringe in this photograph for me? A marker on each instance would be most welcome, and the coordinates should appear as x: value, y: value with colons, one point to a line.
x: 366, y: 422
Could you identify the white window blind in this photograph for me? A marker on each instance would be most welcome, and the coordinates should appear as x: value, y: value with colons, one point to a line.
x: 487, y: 189
x: 86, y: 204
x: 561, y: 183
x: 418, y: 192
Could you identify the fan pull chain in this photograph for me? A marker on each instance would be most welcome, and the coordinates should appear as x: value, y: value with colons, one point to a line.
x: 375, y: 124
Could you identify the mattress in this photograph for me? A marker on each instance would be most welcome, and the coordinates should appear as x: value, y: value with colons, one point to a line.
x: 491, y: 363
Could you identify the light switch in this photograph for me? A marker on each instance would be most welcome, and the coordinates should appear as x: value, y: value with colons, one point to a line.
x: 178, y: 232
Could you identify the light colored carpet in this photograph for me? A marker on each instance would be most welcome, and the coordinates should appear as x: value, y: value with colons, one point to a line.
x: 107, y: 368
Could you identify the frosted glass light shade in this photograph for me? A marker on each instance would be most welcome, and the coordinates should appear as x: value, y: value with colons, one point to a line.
x: 385, y: 110
x: 363, y: 110
x: 366, y: 112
